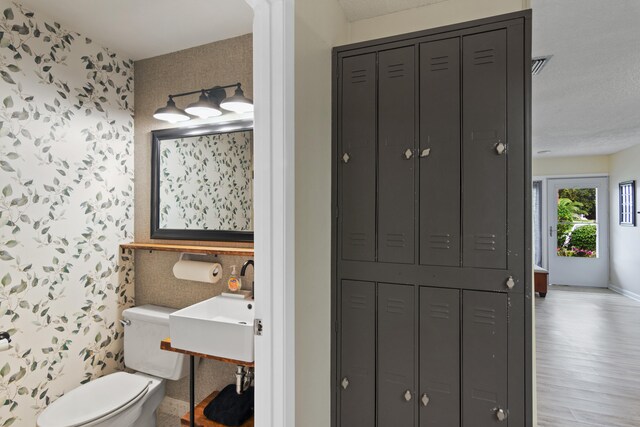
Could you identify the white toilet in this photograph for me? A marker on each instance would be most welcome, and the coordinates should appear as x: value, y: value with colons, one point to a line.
x: 122, y: 399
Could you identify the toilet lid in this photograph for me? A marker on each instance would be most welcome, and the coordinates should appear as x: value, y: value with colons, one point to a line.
x: 94, y: 400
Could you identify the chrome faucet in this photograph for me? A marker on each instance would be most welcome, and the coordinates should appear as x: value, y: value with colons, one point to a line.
x: 243, y: 270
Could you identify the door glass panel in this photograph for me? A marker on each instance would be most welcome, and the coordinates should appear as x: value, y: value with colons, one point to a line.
x: 577, y: 231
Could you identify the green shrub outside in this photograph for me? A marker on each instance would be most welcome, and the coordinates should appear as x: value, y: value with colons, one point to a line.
x: 584, y: 238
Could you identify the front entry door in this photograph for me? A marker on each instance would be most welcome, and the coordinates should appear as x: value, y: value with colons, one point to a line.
x: 578, y: 234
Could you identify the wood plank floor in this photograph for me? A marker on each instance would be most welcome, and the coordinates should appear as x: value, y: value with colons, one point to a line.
x: 588, y: 358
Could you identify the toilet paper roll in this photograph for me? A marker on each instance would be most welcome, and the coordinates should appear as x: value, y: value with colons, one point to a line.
x: 208, y: 272
x: 4, y: 345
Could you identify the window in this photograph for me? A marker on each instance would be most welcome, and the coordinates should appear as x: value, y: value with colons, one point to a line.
x: 537, y: 222
x: 627, y: 203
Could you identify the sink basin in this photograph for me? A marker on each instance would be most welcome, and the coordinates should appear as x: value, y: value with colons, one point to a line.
x: 220, y: 326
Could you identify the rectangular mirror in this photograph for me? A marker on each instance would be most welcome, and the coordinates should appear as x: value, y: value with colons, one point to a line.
x: 202, y: 182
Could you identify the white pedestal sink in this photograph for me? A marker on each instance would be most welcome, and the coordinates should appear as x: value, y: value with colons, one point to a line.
x: 220, y: 326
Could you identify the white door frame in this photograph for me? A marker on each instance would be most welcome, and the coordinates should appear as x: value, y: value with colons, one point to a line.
x: 273, y: 78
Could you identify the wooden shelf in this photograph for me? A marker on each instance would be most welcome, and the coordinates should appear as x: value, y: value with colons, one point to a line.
x: 192, y: 249
x: 202, y: 421
x: 165, y: 344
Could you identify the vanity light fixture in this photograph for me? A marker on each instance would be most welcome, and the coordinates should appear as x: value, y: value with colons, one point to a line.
x: 213, y: 102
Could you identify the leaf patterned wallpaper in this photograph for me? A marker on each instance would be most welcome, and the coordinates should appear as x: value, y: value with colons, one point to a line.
x: 66, y: 202
x: 206, y: 182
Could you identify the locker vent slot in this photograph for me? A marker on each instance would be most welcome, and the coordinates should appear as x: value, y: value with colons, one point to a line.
x: 484, y: 316
x: 357, y: 239
x: 439, y: 63
x: 395, y: 70
x: 395, y: 306
x: 486, y: 395
x: 439, y: 311
x: 485, y: 242
x: 359, y: 76
x: 484, y: 56
x: 440, y: 241
x: 358, y: 302
x: 395, y: 240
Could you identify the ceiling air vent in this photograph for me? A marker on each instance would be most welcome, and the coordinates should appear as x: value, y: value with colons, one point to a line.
x: 537, y: 64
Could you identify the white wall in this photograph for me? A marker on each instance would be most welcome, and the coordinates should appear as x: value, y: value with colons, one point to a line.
x: 579, y: 165
x: 320, y: 25
x: 624, y: 241
x: 431, y: 16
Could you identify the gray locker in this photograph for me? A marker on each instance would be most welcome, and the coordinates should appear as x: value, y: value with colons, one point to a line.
x: 396, y: 149
x: 439, y: 152
x: 484, y: 359
x: 396, y: 356
x: 439, y: 390
x: 357, y: 158
x: 358, y: 348
x: 485, y: 153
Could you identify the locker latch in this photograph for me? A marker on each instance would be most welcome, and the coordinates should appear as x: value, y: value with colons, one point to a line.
x: 510, y: 282
x: 408, y: 154
x: 424, y: 399
x: 344, y: 383
x: 501, y: 148
x: 407, y: 396
x: 425, y: 152
x: 501, y: 414
x: 345, y: 158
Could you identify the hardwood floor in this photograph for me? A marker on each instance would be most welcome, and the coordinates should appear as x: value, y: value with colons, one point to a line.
x: 588, y: 358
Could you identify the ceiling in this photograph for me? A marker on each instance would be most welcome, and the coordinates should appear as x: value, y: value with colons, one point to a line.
x: 363, y: 9
x: 145, y: 28
x: 586, y: 101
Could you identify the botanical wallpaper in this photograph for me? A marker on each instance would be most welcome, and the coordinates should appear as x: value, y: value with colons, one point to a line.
x: 206, y: 182
x: 66, y: 193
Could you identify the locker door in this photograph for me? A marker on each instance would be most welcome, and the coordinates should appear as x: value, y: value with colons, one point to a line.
x: 439, y: 357
x: 358, y: 157
x: 440, y: 153
x: 484, y: 70
x: 484, y: 365
x: 357, y: 354
x: 396, y: 145
x: 396, y: 356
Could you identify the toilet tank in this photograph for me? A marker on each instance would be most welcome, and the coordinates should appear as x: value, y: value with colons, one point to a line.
x: 145, y: 327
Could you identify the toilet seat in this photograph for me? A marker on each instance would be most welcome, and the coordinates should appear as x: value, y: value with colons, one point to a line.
x: 95, y: 401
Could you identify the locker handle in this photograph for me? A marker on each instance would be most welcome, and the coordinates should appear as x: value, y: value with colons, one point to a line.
x: 510, y: 282
x: 344, y: 383
x: 501, y: 414
x: 408, y: 154
x: 345, y: 158
x: 424, y: 399
x: 501, y: 148
x: 425, y: 152
x: 407, y: 395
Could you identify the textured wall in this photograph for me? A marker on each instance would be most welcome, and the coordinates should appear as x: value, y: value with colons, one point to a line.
x: 66, y: 173
x: 223, y: 62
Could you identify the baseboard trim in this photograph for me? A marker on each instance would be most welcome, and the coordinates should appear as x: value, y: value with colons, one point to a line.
x: 626, y: 293
x: 172, y: 406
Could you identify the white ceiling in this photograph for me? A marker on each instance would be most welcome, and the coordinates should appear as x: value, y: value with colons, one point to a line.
x: 586, y: 101
x: 145, y: 28
x: 363, y: 9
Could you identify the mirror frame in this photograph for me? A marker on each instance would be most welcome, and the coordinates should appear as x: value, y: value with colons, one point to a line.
x: 184, y: 234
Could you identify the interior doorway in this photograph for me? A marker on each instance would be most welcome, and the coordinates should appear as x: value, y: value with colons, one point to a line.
x: 578, y: 231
